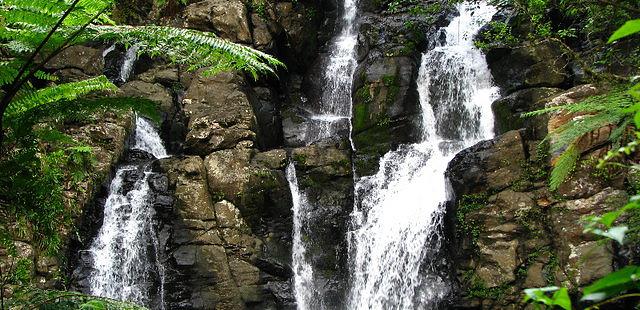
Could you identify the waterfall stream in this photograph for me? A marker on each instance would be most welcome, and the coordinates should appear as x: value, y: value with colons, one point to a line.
x: 124, y: 254
x: 334, y: 113
x: 335, y: 104
x: 395, y: 245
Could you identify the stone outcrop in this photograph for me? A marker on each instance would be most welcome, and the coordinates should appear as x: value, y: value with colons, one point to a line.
x: 510, y: 231
x: 214, y: 258
x: 540, y: 64
x: 385, y: 96
x: 325, y: 178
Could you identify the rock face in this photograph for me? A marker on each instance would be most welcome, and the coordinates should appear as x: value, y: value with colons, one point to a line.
x: 385, y: 100
x: 215, y: 260
x: 542, y: 64
x: 219, y: 114
x: 325, y: 178
x: 228, y: 18
x: 509, y: 231
x: 512, y: 233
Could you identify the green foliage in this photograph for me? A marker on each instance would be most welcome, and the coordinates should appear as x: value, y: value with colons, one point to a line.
x: 43, y: 161
x: 615, y: 108
x: 565, y: 18
x: 189, y: 47
x: 560, y: 297
x: 497, y: 33
x: 464, y: 225
x: 33, y: 298
x: 476, y: 288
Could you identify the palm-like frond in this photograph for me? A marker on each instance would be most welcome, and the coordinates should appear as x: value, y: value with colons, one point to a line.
x: 190, y: 47
x: 613, y: 109
x: 69, y: 91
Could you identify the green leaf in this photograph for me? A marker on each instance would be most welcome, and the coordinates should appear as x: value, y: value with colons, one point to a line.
x: 612, y: 284
x: 539, y: 295
x: 93, y: 305
x: 615, y: 233
x: 561, y: 299
x: 629, y: 28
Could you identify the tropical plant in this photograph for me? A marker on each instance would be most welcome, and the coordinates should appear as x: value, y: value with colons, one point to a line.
x: 33, y: 298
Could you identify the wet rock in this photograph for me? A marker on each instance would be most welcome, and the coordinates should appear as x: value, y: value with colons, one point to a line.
x: 542, y: 64
x: 220, y: 114
x: 136, y: 156
x: 489, y: 165
x: 228, y: 172
x: 167, y: 76
x: 269, y: 121
x: 274, y: 159
x: 508, y: 111
x: 87, y: 60
x: 154, y: 92
x: 384, y: 110
x: 159, y: 183
x: 262, y: 37
x: 582, y: 258
x: 324, y: 177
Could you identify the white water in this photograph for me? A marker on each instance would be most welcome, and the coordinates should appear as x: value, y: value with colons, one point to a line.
x: 303, y: 273
x: 397, y: 239
x: 129, y: 61
x: 125, y: 251
x: 335, y: 106
x: 334, y: 114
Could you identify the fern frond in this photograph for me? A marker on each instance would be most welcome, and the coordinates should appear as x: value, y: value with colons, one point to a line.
x: 67, y: 92
x: 564, y: 166
x: 607, y: 102
x: 190, y: 47
x: 45, y: 76
x: 574, y: 130
x: 9, y: 70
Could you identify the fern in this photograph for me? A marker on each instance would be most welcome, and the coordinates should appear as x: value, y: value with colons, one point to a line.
x: 69, y: 91
x: 616, y: 109
x: 564, y: 166
x: 189, y: 47
x: 39, y: 29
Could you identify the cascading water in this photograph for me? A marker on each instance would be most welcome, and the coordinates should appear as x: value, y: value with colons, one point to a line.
x: 334, y: 113
x: 303, y: 272
x: 398, y: 217
x: 335, y: 105
x: 124, y: 254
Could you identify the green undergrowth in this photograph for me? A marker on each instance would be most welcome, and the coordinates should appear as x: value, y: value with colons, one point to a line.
x: 465, y: 226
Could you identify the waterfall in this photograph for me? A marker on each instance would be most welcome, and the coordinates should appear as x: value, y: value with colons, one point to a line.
x: 124, y: 254
x: 303, y: 273
x: 334, y: 113
x: 395, y: 244
x: 335, y: 106
x: 130, y: 58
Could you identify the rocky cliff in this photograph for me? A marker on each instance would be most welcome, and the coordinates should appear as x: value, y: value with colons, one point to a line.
x: 509, y: 231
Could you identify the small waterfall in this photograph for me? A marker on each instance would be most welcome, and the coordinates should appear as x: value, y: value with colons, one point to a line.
x: 124, y: 254
x: 303, y: 272
x: 334, y: 114
x: 129, y: 61
x: 335, y: 106
x: 398, y: 218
